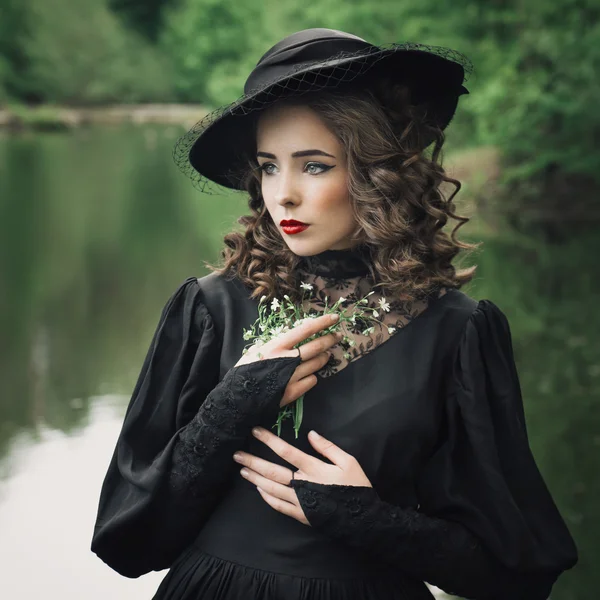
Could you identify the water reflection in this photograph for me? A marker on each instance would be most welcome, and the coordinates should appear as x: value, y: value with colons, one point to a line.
x: 48, y: 509
x: 97, y: 229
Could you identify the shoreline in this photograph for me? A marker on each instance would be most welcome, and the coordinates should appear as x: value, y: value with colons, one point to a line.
x: 60, y: 118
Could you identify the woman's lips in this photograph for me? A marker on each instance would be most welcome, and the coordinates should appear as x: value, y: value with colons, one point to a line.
x: 292, y: 229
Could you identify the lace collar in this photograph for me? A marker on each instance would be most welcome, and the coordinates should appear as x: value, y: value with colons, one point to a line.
x: 351, y: 262
x: 335, y: 274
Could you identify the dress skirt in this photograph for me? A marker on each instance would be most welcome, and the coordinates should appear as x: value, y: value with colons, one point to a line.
x: 197, y: 575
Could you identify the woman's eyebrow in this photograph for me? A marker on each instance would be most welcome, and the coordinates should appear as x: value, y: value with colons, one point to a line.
x: 313, y: 152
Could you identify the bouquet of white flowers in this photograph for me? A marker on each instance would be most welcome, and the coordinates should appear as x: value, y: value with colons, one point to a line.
x: 285, y: 316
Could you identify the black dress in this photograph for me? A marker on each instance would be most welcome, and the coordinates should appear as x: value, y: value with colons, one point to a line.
x: 431, y: 408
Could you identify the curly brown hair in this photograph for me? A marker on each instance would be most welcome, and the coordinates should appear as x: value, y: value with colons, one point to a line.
x: 394, y: 194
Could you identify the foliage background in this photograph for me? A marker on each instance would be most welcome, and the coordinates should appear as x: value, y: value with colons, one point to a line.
x: 535, y: 92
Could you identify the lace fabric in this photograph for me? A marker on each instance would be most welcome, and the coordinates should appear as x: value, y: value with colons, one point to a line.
x: 335, y: 274
x: 441, y: 552
x: 201, y: 460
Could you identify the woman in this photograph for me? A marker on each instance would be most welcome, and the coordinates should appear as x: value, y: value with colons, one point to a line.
x: 423, y: 471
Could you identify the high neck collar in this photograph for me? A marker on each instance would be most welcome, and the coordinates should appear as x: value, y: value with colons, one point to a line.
x: 349, y: 262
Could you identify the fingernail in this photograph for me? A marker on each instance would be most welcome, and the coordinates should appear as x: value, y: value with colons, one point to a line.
x: 256, y: 432
x: 334, y: 317
x: 314, y: 434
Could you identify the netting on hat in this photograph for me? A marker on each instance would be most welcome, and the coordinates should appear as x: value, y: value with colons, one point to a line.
x: 306, y: 77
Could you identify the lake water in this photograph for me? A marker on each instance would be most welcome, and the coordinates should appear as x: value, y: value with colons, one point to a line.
x: 98, y: 228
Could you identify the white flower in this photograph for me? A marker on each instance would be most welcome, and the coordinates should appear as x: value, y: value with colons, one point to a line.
x: 384, y: 305
x: 375, y: 313
x: 353, y: 319
x: 259, y: 342
x: 306, y: 286
x: 262, y: 327
x: 391, y: 329
x: 276, y: 330
x: 275, y: 304
x: 347, y: 356
x: 247, y: 335
x: 286, y: 296
x: 352, y: 343
x: 368, y: 330
x: 372, y: 292
x: 342, y: 299
x: 262, y: 298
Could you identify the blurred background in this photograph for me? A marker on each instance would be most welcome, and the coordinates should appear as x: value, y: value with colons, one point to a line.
x: 98, y: 228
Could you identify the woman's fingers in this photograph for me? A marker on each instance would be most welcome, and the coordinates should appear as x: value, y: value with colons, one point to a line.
x: 294, y: 390
x: 273, y: 478
x: 291, y: 510
x: 279, y: 490
x: 271, y: 471
x: 294, y: 456
x: 282, y: 345
x: 322, y: 344
x: 308, y: 367
x: 307, y: 329
x: 303, y: 379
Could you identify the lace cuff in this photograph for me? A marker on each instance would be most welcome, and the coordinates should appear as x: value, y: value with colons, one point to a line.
x: 440, y: 552
x: 202, y: 456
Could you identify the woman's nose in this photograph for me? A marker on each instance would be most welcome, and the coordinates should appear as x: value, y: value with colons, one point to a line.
x: 287, y: 189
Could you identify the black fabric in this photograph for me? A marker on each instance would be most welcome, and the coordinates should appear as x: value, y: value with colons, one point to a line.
x: 303, y: 47
x: 433, y: 415
x: 167, y: 472
x: 485, y: 522
x: 338, y: 264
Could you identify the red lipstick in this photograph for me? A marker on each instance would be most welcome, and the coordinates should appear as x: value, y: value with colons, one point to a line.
x: 291, y: 226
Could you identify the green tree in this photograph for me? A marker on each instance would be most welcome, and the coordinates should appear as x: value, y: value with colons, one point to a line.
x: 535, y: 92
x: 13, y: 58
x: 79, y: 53
x: 143, y: 16
x: 538, y: 103
x: 212, y: 46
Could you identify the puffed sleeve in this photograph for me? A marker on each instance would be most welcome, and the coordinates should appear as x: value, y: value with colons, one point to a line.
x: 486, y: 526
x: 173, y: 456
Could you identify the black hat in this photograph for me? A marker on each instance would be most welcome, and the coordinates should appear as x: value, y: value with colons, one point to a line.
x: 218, y: 147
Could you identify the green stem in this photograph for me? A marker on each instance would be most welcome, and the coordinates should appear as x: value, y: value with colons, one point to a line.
x: 298, y: 414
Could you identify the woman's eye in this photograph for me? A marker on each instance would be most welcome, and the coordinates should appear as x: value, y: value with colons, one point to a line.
x: 313, y: 168
x: 265, y: 168
x: 317, y: 166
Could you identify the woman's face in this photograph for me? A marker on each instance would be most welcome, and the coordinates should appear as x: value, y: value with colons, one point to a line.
x: 304, y: 177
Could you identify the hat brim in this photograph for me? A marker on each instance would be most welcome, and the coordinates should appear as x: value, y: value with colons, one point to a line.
x: 218, y: 148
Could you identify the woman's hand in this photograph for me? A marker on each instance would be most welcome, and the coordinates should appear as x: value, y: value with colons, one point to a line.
x: 314, y: 354
x: 273, y: 480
